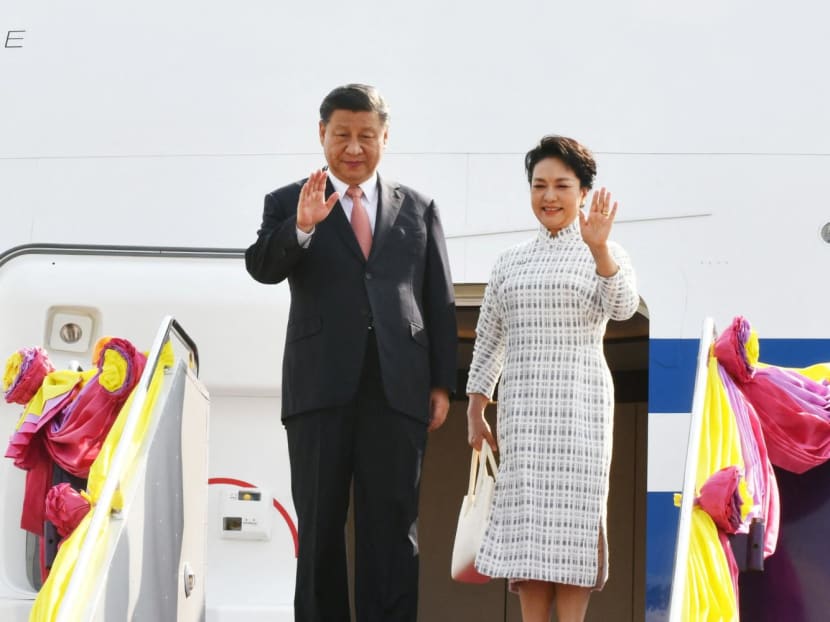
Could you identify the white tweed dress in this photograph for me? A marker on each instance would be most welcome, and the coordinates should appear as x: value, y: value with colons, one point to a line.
x: 541, y: 328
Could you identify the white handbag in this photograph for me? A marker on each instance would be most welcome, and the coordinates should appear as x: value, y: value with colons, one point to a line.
x: 473, y: 518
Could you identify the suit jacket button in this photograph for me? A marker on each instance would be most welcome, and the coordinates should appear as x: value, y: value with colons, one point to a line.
x: 368, y: 276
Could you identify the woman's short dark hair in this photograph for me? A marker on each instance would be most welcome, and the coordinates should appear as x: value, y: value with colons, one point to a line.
x: 354, y: 97
x: 574, y: 155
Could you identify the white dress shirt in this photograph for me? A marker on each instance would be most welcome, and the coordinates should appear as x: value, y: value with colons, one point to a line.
x: 370, y: 202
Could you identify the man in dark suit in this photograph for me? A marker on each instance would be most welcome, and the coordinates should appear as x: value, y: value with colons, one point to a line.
x: 369, y: 362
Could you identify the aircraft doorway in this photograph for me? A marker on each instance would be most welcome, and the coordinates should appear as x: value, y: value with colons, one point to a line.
x: 445, y: 479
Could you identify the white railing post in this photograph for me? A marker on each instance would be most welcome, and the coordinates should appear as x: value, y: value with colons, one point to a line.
x: 681, y: 553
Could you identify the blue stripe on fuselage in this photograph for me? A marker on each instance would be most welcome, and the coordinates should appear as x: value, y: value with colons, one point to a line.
x: 671, y: 374
x: 672, y: 362
x: 661, y: 523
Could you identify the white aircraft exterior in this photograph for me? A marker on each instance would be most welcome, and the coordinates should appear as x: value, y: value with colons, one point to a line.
x: 137, y: 143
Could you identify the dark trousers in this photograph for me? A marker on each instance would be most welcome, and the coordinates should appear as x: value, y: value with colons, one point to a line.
x: 380, y: 450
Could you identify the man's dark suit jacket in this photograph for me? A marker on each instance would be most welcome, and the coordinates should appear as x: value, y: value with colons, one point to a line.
x: 404, y: 291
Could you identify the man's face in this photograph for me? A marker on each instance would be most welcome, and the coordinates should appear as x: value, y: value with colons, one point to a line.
x: 353, y: 143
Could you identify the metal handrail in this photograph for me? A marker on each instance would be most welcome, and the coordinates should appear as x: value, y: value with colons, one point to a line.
x: 127, y: 251
x: 681, y: 553
x: 103, y: 507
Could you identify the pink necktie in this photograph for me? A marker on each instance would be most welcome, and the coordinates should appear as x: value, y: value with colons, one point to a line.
x: 360, y: 220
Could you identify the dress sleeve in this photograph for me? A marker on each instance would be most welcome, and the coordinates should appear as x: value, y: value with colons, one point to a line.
x: 618, y: 293
x: 488, y: 352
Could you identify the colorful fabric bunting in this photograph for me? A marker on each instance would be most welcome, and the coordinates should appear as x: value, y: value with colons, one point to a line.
x: 24, y: 373
x: 66, y: 508
x: 793, y: 408
x: 75, y: 436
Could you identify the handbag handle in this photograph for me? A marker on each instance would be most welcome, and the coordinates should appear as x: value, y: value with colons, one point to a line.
x: 480, y: 459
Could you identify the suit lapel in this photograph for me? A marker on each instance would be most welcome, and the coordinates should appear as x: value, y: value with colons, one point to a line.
x: 389, y: 204
x: 342, y: 225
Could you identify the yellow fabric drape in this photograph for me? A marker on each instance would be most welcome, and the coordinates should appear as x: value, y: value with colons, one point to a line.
x: 51, y: 595
x: 55, y: 384
x: 709, y: 594
x: 13, y: 364
x: 720, y: 441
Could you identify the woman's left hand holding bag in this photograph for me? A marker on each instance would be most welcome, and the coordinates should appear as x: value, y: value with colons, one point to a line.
x: 478, y: 429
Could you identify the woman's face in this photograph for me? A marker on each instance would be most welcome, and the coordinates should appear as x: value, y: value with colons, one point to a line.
x: 555, y: 194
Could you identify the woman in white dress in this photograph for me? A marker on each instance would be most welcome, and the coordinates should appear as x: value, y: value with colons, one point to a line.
x: 541, y: 329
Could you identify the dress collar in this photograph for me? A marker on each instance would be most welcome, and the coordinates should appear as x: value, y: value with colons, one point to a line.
x: 566, y: 233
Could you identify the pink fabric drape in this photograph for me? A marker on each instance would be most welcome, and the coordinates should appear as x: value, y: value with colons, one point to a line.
x: 75, y: 436
x: 27, y: 447
x: 759, y: 472
x: 34, y: 365
x: 794, y: 410
x: 720, y: 498
x: 65, y: 508
x: 67, y: 418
